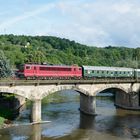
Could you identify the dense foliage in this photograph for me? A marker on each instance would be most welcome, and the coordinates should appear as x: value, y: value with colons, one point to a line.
x: 5, y: 70
x: 54, y: 50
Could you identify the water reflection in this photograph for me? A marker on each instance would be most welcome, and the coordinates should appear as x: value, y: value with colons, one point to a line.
x: 36, y: 132
x: 87, y: 121
x: 123, y: 123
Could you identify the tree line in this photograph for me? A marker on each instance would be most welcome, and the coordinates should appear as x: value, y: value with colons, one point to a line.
x: 54, y: 50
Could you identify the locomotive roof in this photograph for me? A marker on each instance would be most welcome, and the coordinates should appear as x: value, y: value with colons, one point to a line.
x: 107, y: 68
x: 52, y: 65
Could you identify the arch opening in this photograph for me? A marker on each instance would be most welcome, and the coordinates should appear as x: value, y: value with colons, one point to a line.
x: 61, y: 96
x: 110, y: 97
x: 9, y: 107
x: 62, y: 104
x: 112, y: 90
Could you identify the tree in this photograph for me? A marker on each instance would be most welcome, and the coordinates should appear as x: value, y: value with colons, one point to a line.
x: 5, y: 70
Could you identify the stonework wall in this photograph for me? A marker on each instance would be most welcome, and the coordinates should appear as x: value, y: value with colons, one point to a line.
x: 127, y: 101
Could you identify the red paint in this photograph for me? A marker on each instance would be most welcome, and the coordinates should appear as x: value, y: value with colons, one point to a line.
x: 54, y: 71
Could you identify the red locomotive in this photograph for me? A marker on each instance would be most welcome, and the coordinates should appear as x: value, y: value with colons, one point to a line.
x: 35, y: 71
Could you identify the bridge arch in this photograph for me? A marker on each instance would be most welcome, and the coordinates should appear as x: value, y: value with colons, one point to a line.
x: 14, y: 91
x: 62, y: 88
x: 115, y: 88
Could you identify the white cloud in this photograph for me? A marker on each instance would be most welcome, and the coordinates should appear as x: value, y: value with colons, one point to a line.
x: 105, y: 22
x: 90, y: 22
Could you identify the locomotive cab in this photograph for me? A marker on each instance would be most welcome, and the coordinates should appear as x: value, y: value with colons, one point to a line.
x: 20, y: 72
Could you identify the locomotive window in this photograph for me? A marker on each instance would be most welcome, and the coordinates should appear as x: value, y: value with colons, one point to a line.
x: 28, y: 67
x: 43, y: 68
x: 74, y: 69
x: 55, y: 69
x: 67, y: 69
x: 93, y: 71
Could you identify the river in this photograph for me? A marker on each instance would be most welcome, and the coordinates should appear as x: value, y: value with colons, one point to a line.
x: 67, y: 123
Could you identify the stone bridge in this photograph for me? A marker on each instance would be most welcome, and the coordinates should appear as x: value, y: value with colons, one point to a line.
x: 126, y: 92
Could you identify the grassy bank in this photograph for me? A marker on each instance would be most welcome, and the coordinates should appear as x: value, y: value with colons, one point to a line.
x: 1, y: 121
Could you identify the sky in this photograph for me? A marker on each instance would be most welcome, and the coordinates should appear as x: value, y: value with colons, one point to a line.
x: 91, y: 22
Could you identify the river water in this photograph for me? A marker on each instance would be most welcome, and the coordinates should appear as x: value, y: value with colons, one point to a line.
x: 67, y: 123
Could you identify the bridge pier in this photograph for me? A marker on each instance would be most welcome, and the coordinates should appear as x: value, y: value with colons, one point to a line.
x: 36, y: 111
x: 88, y: 104
x: 127, y: 100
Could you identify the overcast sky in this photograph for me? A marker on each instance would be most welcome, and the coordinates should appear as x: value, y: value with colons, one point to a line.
x: 91, y: 22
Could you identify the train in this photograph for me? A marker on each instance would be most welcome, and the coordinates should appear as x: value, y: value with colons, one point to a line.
x: 44, y: 72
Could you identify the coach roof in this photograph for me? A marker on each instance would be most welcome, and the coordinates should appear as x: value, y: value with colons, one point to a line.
x: 103, y: 68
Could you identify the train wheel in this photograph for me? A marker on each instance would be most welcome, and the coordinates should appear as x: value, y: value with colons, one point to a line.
x: 28, y: 78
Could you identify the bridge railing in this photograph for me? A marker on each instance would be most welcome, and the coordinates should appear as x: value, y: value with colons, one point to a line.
x: 14, y: 82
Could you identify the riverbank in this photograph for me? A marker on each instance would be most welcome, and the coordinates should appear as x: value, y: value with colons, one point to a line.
x: 2, y: 121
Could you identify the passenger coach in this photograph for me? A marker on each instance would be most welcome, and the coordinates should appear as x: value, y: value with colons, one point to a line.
x: 110, y: 72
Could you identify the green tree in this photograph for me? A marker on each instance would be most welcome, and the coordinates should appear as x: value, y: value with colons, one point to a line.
x: 5, y: 70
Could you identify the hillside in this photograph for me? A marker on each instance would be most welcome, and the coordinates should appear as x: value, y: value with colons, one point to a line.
x: 54, y: 50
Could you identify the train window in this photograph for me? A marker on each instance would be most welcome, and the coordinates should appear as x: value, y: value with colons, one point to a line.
x: 42, y: 68
x: 97, y: 71
x: 79, y: 68
x: 74, y: 69
x: 93, y: 71
x: 102, y: 71
x: 69, y: 69
x: 88, y: 71
x: 28, y: 67
x: 56, y: 69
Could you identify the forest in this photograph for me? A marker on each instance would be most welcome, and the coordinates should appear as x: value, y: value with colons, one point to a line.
x: 54, y: 50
